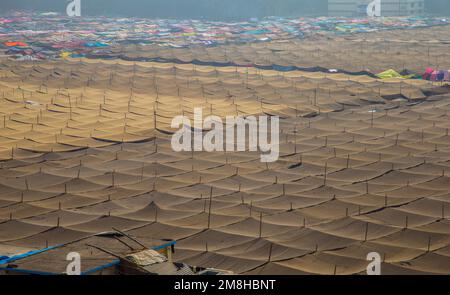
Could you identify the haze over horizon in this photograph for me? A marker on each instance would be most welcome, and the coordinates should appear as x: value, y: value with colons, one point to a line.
x: 197, y: 9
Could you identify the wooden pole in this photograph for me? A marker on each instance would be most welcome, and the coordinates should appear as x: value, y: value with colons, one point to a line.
x: 131, y: 238
x: 260, y: 224
x: 209, y: 209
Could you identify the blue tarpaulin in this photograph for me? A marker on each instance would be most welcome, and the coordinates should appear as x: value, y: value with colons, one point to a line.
x: 6, y: 259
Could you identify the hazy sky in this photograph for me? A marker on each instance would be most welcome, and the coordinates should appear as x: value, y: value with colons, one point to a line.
x: 195, y: 8
x: 179, y: 8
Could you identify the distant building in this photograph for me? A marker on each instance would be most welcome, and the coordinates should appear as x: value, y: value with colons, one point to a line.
x: 355, y: 8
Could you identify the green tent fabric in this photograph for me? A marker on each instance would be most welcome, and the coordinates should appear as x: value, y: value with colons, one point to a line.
x: 393, y: 74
